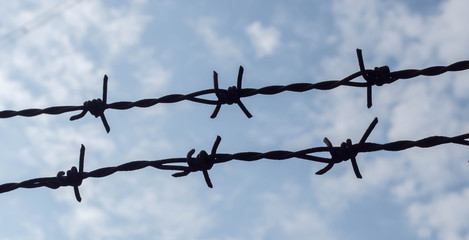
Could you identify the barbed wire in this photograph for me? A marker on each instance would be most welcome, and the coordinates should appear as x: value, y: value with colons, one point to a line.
x: 378, y: 76
x: 205, y: 161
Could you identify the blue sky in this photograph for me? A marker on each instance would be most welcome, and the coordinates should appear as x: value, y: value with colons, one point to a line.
x: 57, y: 53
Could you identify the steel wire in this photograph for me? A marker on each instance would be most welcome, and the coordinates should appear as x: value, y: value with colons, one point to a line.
x: 378, y: 76
x: 205, y: 161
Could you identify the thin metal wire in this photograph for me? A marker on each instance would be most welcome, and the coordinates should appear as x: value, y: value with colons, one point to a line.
x: 204, y: 161
x: 379, y: 76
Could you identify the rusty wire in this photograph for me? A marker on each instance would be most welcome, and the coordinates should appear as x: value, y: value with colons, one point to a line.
x: 204, y: 161
x: 378, y: 76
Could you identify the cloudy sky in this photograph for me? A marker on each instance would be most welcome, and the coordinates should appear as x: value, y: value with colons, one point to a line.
x: 56, y: 53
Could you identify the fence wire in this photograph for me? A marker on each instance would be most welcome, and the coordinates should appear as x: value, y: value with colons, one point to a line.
x: 377, y: 76
x: 205, y: 161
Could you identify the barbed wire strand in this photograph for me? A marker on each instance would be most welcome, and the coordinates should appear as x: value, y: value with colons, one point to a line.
x: 379, y: 76
x: 204, y: 161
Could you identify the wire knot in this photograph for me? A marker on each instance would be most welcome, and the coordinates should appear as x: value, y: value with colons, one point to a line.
x: 96, y: 107
x: 346, y: 151
x: 230, y: 96
x: 378, y: 76
x: 343, y: 153
x: 203, y: 162
x: 74, y: 177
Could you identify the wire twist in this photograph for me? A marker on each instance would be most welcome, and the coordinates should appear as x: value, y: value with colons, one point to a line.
x: 74, y: 177
x: 96, y: 107
x: 230, y: 96
x: 378, y: 76
x: 204, y: 161
x: 346, y: 151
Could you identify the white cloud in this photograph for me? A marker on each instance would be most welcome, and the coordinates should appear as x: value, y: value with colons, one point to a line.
x: 284, y: 216
x: 405, y: 190
x: 419, y: 100
x: 30, y: 231
x: 87, y: 222
x: 138, y: 206
x: 221, y: 46
x: 413, y: 109
x: 443, y: 217
x: 118, y: 28
x: 444, y: 34
x: 264, y: 39
x: 58, y: 148
x: 14, y: 93
x: 336, y: 190
x: 51, y: 57
x: 151, y: 75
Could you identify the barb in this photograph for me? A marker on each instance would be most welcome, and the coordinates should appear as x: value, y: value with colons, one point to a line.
x: 346, y: 151
x: 73, y: 178
x: 230, y: 96
x: 96, y: 107
x: 204, y: 161
x: 379, y: 76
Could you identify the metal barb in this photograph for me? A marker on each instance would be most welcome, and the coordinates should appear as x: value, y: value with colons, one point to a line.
x: 73, y: 177
x: 96, y: 107
x: 346, y: 151
x: 378, y: 76
x: 204, y: 161
x: 230, y: 96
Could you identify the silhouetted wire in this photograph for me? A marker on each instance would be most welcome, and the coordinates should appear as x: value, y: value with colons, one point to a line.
x: 378, y: 77
x: 204, y: 161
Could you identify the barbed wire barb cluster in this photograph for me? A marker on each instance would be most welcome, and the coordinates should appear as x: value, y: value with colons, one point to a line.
x: 346, y: 151
x: 204, y: 161
x: 230, y: 96
x: 96, y: 107
x: 378, y: 76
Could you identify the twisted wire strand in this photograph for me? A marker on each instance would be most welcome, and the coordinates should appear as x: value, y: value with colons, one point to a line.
x: 205, y: 161
x: 377, y: 76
